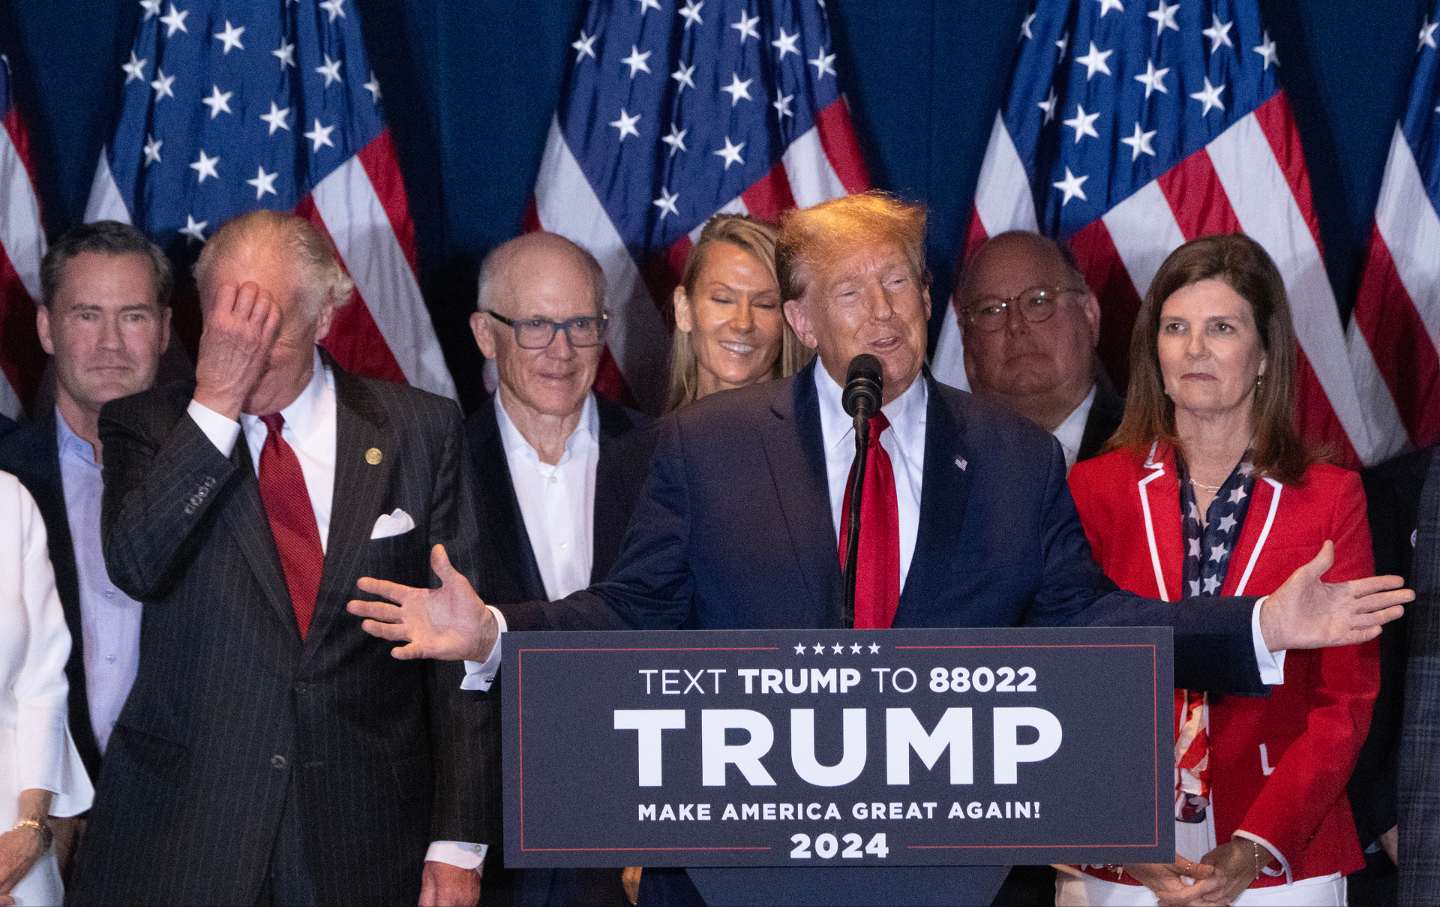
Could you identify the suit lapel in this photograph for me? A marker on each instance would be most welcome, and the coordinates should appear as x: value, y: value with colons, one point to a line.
x: 1259, y: 518
x: 794, y: 448
x: 45, y: 481
x: 502, y: 516
x: 248, y: 525
x: 943, y: 494
x: 360, y: 426
x: 1159, y: 493
x: 609, y: 518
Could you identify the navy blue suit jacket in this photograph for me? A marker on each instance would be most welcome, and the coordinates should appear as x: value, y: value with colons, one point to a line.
x: 733, y: 530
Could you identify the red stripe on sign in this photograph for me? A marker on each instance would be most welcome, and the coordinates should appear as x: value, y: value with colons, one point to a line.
x: 770, y: 194
x: 1201, y: 207
x: 837, y: 137
x: 1403, y: 349
x: 383, y: 167
x: 354, y: 339
x: 1106, y: 275
x: 1277, y: 122
x: 1316, y: 417
x: 21, y: 356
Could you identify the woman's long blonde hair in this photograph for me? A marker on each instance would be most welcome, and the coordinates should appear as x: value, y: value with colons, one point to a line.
x: 758, y: 239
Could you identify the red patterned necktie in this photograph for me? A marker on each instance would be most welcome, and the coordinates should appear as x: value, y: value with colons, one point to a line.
x: 877, y: 558
x: 292, y: 521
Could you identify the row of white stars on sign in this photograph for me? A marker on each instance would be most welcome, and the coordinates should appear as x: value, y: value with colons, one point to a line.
x: 174, y: 18
x: 837, y: 649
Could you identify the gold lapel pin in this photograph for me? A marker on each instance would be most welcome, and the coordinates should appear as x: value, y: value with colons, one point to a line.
x: 373, y: 456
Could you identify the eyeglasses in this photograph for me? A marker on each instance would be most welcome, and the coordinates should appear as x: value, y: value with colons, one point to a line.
x: 539, y: 333
x: 1037, y: 304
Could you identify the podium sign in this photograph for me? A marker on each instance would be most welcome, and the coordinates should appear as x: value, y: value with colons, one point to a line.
x: 838, y: 748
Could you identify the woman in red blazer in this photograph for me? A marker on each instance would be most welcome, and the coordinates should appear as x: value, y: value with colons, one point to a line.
x: 1207, y: 489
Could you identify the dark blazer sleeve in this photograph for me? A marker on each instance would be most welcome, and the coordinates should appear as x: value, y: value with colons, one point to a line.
x: 163, y: 477
x: 464, y: 725
x: 1214, y: 648
x: 650, y: 586
x: 1419, y: 761
x: 1392, y: 492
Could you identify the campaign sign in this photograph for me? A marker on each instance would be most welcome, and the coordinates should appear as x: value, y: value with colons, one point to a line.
x: 830, y: 747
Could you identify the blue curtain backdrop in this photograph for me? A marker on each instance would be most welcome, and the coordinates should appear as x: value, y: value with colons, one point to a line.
x: 470, y: 86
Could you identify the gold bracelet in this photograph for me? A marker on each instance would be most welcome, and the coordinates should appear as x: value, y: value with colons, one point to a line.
x: 1257, y: 848
x: 40, y: 827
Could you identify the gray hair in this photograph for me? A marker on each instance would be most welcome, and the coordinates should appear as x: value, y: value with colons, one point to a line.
x: 324, y: 279
x: 104, y: 237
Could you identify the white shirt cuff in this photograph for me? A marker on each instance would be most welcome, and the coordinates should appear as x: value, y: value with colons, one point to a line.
x: 457, y: 853
x: 1284, y: 869
x: 1271, y: 664
x: 479, y: 675
x: 221, y: 431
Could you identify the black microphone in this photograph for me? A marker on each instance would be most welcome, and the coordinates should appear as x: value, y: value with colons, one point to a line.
x: 864, y: 380
x: 861, y: 398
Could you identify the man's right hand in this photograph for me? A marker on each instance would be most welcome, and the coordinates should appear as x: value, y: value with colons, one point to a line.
x: 1308, y: 613
x: 240, y: 329
x: 450, y: 623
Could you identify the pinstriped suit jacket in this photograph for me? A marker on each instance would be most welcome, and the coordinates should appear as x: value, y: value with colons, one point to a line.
x: 1419, y: 784
x: 232, y: 715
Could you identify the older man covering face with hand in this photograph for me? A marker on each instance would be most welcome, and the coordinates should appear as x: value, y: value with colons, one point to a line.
x: 269, y: 751
x: 977, y: 528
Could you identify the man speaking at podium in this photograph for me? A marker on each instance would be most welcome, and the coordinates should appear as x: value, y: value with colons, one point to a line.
x: 965, y: 522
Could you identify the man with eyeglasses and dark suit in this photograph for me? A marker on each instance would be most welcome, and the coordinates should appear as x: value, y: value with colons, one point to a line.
x: 1031, y: 325
x: 556, y: 478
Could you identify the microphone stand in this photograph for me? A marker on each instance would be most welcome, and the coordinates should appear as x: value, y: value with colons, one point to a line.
x: 857, y: 487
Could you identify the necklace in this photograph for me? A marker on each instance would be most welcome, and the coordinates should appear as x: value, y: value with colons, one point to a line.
x: 1199, y: 484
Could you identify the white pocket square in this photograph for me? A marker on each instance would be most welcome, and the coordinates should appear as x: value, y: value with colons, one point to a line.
x: 395, y: 523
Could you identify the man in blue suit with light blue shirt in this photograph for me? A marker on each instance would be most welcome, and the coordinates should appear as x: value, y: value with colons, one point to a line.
x: 739, y: 523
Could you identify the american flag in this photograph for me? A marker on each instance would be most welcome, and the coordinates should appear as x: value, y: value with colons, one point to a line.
x: 232, y: 105
x: 673, y: 110
x: 1131, y: 126
x: 22, y: 245
x: 1395, y: 330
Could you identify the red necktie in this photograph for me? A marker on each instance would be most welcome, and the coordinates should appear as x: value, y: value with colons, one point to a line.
x: 877, y: 559
x: 292, y: 521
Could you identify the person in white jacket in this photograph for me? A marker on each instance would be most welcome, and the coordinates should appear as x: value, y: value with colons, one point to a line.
x: 41, y: 774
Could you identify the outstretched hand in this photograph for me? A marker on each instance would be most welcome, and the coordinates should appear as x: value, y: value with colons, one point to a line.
x: 1308, y: 613
x: 450, y: 623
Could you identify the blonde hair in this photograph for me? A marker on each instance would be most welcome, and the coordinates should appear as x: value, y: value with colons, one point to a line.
x: 324, y: 279
x: 816, y: 236
x: 758, y: 239
x: 1278, y: 449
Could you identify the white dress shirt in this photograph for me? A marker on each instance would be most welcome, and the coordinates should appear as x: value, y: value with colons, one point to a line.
x: 311, y: 431
x: 904, y: 441
x: 1071, y: 432
x: 109, y: 619
x: 557, y: 501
